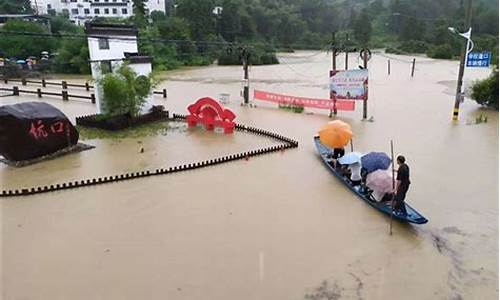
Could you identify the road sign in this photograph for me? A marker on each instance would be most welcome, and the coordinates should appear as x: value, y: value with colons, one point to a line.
x: 479, y: 59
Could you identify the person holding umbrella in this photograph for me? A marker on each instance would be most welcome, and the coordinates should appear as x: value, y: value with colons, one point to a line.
x: 335, y: 134
x: 353, y: 161
x: 402, y: 183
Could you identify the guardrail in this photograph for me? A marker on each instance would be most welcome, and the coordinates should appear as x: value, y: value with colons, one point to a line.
x: 64, y: 94
x: 64, y: 84
x: 288, y: 143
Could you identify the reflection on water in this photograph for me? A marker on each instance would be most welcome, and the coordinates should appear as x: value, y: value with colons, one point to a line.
x: 277, y: 226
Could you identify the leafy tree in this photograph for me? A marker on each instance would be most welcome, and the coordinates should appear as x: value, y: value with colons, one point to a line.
x: 15, y: 7
x: 158, y: 16
x: 485, y: 92
x: 139, y: 8
x: 124, y: 92
x: 73, y: 57
x: 363, y: 28
x: 60, y: 24
x: 229, y: 25
x: 199, y: 14
x: 413, y: 29
x: 248, y: 27
x: 290, y: 28
x: 24, y: 45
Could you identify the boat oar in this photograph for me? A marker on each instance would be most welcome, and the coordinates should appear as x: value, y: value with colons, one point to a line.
x: 393, y: 186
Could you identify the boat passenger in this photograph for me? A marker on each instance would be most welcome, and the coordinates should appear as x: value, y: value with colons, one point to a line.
x: 355, y: 170
x: 402, y: 184
x: 337, y: 153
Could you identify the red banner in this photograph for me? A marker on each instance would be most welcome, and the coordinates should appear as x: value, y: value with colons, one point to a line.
x: 344, y: 105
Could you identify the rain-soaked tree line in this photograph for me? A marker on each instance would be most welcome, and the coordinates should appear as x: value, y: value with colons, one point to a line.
x: 193, y: 33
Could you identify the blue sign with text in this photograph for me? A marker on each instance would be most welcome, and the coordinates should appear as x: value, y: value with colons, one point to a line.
x: 479, y: 59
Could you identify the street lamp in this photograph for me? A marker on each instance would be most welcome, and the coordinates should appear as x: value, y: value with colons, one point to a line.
x: 459, y: 97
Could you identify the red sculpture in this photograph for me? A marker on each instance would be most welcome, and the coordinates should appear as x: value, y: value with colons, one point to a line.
x: 212, y: 114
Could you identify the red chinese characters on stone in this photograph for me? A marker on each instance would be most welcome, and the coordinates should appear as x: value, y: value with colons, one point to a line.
x: 57, y: 127
x: 38, y: 131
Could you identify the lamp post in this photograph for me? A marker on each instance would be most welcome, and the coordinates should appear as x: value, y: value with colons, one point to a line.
x: 463, y: 56
x: 469, y: 45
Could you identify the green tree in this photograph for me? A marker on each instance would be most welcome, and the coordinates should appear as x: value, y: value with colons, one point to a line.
x: 485, y: 92
x: 363, y: 28
x: 62, y: 25
x: 19, y: 39
x: 413, y: 29
x: 73, y: 57
x: 124, y: 92
x: 15, y: 7
x: 139, y: 8
x: 199, y: 14
x: 229, y: 24
x: 248, y: 27
x: 290, y: 29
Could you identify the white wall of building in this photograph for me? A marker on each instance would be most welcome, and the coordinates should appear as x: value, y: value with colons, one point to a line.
x: 118, y: 45
x: 80, y: 11
x: 144, y: 69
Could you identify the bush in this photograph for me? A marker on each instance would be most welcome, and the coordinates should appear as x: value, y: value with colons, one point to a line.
x: 393, y: 50
x: 485, y: 92
x: 441, y: 51
x: 124, y: 92
x: 296, y: 108
x: 413, y: 46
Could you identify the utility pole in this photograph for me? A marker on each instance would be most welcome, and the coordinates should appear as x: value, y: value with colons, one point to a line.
x: 334, y: 69
x: 365, y: 100
x: 245, y: 58
x: 459, y: 94
x: 346, y: 51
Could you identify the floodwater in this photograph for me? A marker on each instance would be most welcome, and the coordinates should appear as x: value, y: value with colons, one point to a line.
x: 277, y: 226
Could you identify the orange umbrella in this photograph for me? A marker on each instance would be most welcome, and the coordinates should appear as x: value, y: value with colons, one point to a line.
x: 335, y: 134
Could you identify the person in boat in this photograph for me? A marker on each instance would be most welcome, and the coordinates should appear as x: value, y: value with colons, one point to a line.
x: 382, y: 197
x: 402, y: 184
x: 355, y: 173
x: 337, y: 153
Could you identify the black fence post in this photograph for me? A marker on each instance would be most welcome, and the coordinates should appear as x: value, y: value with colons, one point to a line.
x: 92, y: 98
x: 65, y: 95
x: 165, y: 93
x: 43, y: 83
x: 87, y: 87
x: 5, y: 80
x: 23, y: 81
x: 15, y: 91
x: 64, y: 85
x: 39, y: 92
x: 413, y: 68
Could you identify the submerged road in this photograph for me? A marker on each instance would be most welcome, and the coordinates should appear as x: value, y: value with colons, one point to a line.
x: 274, y: 227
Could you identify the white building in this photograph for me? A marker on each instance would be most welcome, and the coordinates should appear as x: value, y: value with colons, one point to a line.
x: 110, y: 45
x: 80, y: 11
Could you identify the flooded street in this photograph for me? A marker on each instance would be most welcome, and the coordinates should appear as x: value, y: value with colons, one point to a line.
x: 277, y: 226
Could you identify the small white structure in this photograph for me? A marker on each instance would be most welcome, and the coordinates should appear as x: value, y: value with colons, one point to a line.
x: 80, y: 11
x: 110, y: 45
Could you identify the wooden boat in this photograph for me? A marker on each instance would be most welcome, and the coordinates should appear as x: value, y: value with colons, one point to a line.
x: 411, y: 216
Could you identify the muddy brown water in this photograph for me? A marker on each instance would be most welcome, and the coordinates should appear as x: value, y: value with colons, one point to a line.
x: 274, y: 227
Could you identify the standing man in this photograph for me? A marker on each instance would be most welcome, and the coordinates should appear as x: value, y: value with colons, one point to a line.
x: 402, y: 184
